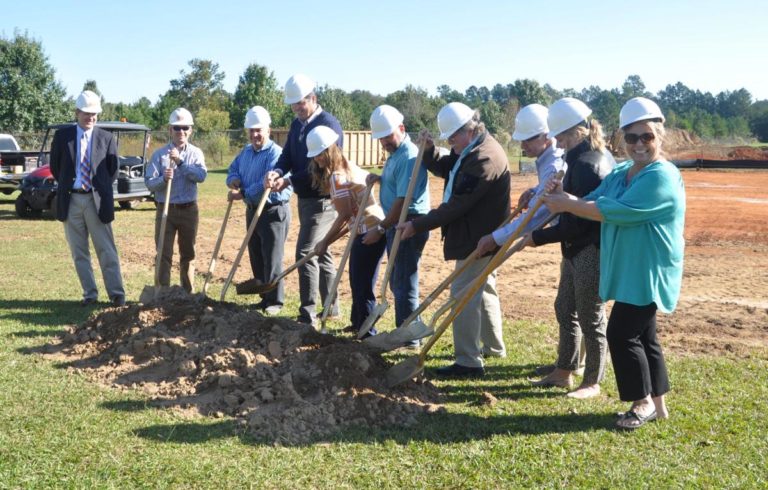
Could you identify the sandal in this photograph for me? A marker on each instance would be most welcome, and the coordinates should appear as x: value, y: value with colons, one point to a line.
x: 632, y: 420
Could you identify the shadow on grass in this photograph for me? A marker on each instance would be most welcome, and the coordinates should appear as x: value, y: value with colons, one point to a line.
x: 438, y: 429
x: 45, y: 312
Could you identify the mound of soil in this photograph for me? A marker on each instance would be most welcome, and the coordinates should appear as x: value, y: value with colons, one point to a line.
x: 282, y: 380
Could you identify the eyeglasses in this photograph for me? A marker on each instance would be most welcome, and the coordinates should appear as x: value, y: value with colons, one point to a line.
x: 180, y: 128
x: 631, y: 138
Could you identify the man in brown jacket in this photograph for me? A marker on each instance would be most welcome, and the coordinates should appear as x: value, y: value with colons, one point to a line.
x: 475, y: 202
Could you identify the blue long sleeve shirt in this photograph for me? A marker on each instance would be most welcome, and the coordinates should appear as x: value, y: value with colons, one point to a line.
x: 641, y: 242
x: 250, y: 166
x: 547, y: 164
x: 294, y: 157
x: 185, y: 176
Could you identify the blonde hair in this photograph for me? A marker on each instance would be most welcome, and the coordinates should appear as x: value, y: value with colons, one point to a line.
x: 592, y: 131
x: 335, y: 161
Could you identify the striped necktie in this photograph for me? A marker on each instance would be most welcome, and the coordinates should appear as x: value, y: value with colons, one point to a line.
x: 85, y: 164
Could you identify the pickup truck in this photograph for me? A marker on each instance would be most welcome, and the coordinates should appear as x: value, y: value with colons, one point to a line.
x: 38, y: 187
x: 14, y: 163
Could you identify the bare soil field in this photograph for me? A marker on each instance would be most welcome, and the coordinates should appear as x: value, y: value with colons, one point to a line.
x: 724, y: 301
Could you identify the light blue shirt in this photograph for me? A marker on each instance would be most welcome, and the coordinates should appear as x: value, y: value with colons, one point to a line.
x: 641, y: 237
x: 397, y: 175
x: 452, y: 174
x: 250, y: 166
x: 78, y: 174
x: 185, y: 177
x: 547, y: 164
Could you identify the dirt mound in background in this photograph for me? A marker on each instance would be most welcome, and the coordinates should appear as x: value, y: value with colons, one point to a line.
x: 282, y: 380
x: 677, y: 142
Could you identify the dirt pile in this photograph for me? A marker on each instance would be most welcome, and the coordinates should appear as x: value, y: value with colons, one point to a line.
x: 282, y: 380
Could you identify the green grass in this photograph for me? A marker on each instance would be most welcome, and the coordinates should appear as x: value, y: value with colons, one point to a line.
x: 58, y: 429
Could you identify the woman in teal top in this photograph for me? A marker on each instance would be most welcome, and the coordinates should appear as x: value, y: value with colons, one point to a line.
x: 641, y: 205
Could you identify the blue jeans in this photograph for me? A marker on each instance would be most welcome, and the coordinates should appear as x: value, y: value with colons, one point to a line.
x: 404, y: 281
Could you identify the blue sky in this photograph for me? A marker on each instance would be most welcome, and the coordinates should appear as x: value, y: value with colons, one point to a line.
x: 135, y: 48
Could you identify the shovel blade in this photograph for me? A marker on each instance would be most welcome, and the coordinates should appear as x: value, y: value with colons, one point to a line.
x: 378, y: 312
x: 404, y: 371
x: 397, y: 338
x: 148, y: 294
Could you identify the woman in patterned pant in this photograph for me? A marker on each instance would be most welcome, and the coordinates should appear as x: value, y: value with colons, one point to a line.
x: 578, y: 307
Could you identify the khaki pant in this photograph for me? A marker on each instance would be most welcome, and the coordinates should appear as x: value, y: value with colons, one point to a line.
x: 82, y: 221
x: 182, y: 221
x: 478, y: 327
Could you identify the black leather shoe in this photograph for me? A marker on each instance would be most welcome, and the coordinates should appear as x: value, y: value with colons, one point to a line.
x: 457, y: 370
x: 87, y: 301
x: 118, y: 301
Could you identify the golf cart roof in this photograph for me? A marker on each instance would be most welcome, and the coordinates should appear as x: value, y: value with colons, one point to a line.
x: 108, y: 125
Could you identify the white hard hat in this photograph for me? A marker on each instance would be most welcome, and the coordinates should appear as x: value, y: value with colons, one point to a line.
x: 639, y: 109
x: 181, y: 117
x: 257, y: 117
x: 452, y: 117
x: 297, y: 87
x: 89, y: 102
x: 319, y: 139
x: 565, y: 114
x: 385, y: 119
x: 530, y: 121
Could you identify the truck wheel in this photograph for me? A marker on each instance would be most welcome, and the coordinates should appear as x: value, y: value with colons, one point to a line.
x: 24, y: 210
x: 129, y: 204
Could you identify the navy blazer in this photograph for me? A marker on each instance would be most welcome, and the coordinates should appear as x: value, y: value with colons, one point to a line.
x: 103, y: 165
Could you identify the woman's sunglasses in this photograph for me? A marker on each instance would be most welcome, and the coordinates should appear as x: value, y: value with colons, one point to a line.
x: 631, y: 138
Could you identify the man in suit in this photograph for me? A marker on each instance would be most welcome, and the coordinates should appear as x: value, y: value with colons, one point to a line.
x: 84, y: 163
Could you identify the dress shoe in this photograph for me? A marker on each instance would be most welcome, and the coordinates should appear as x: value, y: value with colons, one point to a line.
x: 457, y: 370
x: 118, y: 300
x: 87, y: 301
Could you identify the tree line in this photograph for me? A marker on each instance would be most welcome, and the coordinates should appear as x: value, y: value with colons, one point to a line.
x: 31, y: 97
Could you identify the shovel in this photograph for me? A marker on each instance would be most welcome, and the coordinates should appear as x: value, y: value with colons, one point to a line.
x: 339, y: 272
x: 216, y: 248
x: 248, y: 234
x: 411, y: 367
x: 381, y: 308
x: 262, y: 288
x: 149, y: 293
x: 412, y: 329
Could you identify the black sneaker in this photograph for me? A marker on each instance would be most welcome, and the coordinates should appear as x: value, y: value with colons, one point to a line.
x: 457, y: 370
x: 118, y: 300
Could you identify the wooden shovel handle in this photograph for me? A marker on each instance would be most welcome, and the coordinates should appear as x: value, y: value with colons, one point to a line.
x: 247, y: 238
x: 216, y: 248
x: 448, y: 280
x: 352, y: 235
x: 466, y: 294
x: 401, y: 220
x: 161, y: 235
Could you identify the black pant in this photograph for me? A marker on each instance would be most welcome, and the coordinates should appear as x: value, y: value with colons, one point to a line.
x: 265, y: 248
x: 635, y: 352
x: 364, y: 263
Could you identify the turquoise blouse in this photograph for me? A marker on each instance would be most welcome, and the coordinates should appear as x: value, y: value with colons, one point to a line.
x: 641, y: 247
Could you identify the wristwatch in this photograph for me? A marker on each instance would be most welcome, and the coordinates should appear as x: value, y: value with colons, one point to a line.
x: 381, y: 229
